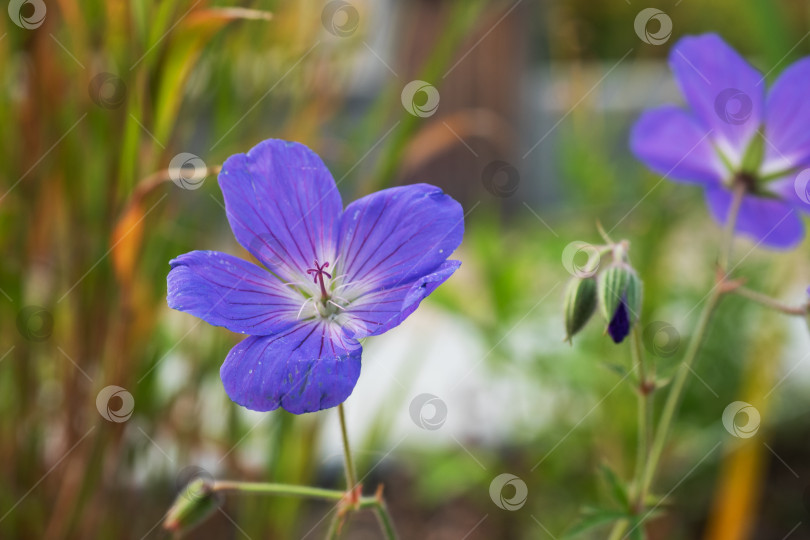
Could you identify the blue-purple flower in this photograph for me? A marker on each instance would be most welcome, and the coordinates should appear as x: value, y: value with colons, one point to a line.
x: 331, y: 276
x: 734, y: 134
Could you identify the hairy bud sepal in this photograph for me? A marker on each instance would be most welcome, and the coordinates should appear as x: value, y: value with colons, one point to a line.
x: 580, y: 304
x: 619, y: 292
x: 192, y: 506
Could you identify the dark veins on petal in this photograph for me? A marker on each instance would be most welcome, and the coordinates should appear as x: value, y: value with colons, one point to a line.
x: 619, y: 325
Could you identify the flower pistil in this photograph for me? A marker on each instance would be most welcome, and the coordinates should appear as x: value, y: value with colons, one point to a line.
x: 317, y: 274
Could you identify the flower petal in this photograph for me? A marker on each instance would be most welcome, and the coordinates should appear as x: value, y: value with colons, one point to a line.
x: 308, y: 368
x: 793, y: 189
x: 379, y: 311
x: 397, y: 235
x: 619, y: 325
x: 224, y: 290
x: 283, y: 206
x: 725, y: 92
x: 769, y: 222
x: 673, y: 144
x: 787, y: 120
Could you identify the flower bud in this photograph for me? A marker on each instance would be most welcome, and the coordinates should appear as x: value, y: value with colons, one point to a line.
x: 619, y: 292
x: 579, y: 304
x: 192, y: 506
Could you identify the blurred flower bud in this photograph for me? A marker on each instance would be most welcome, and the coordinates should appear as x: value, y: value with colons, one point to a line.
x: 192, y: 506
x: 619, y: 292
x: 579, y: 304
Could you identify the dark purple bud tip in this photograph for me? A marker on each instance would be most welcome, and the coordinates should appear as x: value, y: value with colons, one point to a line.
x: 619, y: 325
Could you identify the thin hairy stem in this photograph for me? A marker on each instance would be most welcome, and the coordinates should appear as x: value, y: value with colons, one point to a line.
x: 644, y: 418
x: 770, y: 302
x: 675, y: 394
x: 351, y: 476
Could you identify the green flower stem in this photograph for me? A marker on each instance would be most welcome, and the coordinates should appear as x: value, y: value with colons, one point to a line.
x: 380, y: 510
x: 653, y: 456
x: 340, y: 517
x: 676, y: 392
x: 279, y: 489
x: 670, y: 408
x: 377, y: 503
x: 335, y: 526
x: 772, y: 303
x: 386, y: 523
x: 731, y: 224
x: 347, y: 501
x: 644, y: 416
x: 374, y: 502
x: 338, y: 523
x: 644, y: 432
x: 351, y: 476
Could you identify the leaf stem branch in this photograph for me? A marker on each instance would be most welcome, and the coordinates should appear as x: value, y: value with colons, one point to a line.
x: 675, y: 394
x: 769, y: 302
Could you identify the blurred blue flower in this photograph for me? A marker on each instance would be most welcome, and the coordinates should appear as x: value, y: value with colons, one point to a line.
x: 332, y: 276
x: 735, y: 134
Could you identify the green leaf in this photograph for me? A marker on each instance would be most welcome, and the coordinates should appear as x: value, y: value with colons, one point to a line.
x: 621, y: 371
x: 594, y: 518
x: 637, y: 529
x: 186, y: 45
x: 618, y: 490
